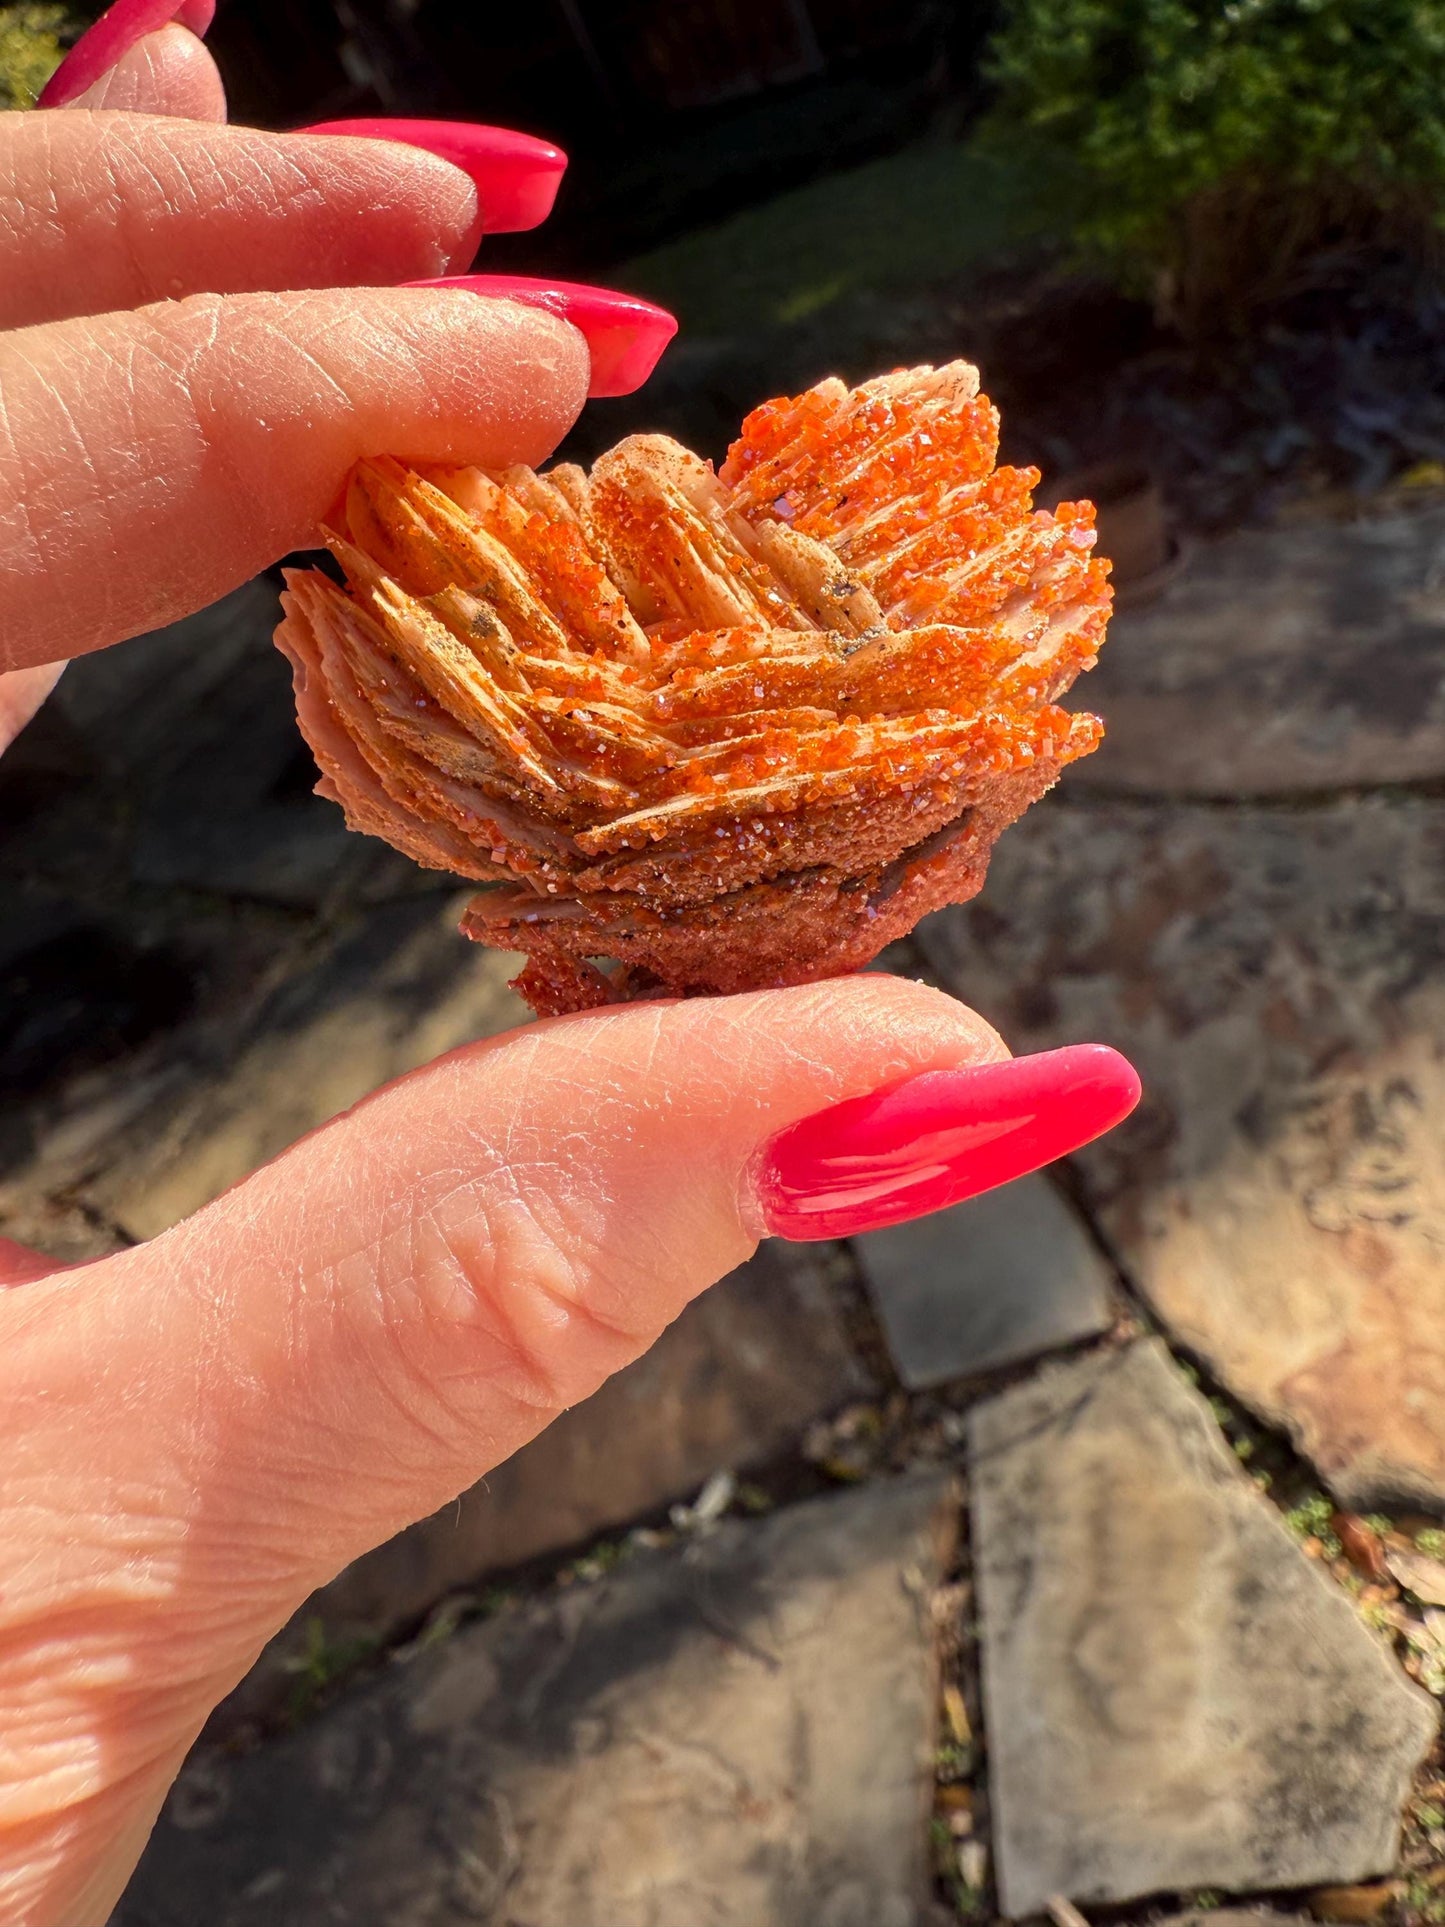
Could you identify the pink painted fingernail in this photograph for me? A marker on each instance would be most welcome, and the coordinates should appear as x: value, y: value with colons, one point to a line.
x: 625, y: 334
x: 516, y: 177
x: 936, y: 1139
x: 112, y: 36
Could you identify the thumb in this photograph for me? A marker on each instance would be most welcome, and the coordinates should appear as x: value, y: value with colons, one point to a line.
x: 365, y: 1326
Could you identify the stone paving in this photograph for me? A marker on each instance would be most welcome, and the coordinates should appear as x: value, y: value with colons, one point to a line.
x: 671, y: 1745
x: 752, y: 1719
x: 994, y: 1281
x: 1280, y: 1196
x: 1298, y: 658
x: 1175, y: 1699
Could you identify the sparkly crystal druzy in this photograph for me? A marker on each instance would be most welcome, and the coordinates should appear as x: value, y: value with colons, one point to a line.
x: 698, y: 731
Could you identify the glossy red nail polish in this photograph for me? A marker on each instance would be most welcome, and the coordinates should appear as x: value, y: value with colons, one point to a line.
x: 516, y: 177
x: 936, y: 1139
x: 112, y: 36
x: 625, y: 334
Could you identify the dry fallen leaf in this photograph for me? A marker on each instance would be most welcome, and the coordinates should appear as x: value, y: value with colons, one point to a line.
x: 1419, y: 1574
x: 1361, y: 1546
x: 958, y: 1720
x: 954, y: 1798
x: 1353, y: 1903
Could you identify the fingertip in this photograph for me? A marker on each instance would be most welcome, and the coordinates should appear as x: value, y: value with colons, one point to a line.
x: 545, y: 360
x: 168, y: 72
x: 626, y: 336
x: 880, y: 1003
x: 107, y: 41
x: 516, y: 176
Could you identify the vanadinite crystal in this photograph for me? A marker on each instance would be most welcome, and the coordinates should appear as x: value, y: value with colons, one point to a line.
x: 705, y: 731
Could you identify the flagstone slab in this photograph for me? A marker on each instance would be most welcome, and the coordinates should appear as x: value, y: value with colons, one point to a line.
x: 1175, y: 1696
x: 998, y: 1279
x: 1234, y: 1917
x: 155, y: 1062
x: 1279, y: 1196
x: 739, y: 1733
x: 109, y: 1014
x: 1306, y: 656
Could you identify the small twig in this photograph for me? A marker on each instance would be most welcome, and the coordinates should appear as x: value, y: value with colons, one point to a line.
x: 1063, y: 1913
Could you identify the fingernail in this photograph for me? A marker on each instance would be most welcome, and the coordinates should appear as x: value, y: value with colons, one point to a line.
x: 936, y: 1139
x: 625, y: 334
x: 112, y: 36
x: 516, y: 177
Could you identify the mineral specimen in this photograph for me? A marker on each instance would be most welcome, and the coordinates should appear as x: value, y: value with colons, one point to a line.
x: 704, y: 731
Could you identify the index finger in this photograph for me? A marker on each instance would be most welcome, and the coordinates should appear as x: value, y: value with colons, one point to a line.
x: 151, y: 461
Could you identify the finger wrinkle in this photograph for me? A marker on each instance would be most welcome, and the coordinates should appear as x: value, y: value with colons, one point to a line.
x: 519, y: 1292
x: 103, y: 211
x: 424, y: 1298
x: 308, y: 358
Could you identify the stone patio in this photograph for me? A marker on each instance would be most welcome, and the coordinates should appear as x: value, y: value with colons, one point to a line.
x: 1102, y: 1671
x: 1175, y: 1698
x: 1280, y: 1195
x: 670, y: 1746
x: 1331, y: 681
x: 992, y: 1282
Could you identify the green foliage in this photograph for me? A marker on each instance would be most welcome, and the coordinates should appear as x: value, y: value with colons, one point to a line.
x: 322, y: 1661
x: 753, y: 1500
x: 903, y: 222
x: 1215, y: 142
x: 31, y: 46
x: 1423, y: 1900
x: 1310, y: 1519
x: 952, y: 1761
x: 598, y: 1560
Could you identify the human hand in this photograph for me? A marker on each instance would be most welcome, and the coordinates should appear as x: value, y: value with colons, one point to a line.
x: 203, y: 335
x: 200, y: 1431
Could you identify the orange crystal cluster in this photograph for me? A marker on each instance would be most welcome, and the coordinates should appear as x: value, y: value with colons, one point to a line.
x: 705, y: 731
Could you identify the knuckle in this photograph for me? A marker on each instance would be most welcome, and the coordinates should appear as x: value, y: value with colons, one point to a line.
x: 510, y: 1301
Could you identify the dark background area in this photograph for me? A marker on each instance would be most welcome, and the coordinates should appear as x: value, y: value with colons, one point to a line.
x: 827, y: 186
x: 801, y: 182
x: 675, y: 112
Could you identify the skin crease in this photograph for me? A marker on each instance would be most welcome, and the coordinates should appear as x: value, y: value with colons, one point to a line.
x: 249, y: 409
x: 197, y: 1432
